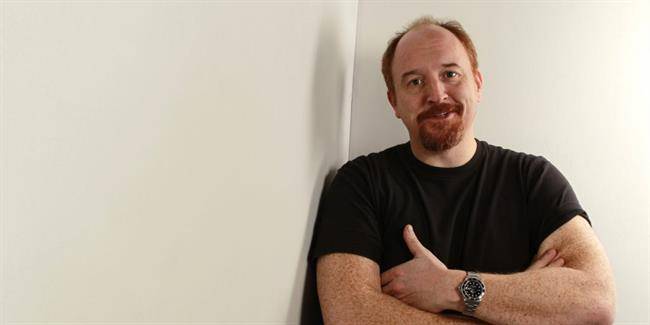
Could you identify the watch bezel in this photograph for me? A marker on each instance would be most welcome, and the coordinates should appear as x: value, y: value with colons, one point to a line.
x: 467, y: 291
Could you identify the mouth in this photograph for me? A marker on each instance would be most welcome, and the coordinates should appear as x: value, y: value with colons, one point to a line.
x: 442, y: 116
x: 440, y: 113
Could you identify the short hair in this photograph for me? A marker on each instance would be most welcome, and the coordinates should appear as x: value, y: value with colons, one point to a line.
x: 451, y: 25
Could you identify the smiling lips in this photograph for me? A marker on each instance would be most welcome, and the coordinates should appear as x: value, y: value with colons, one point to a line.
x: 442, y: 115
x: 440, y: 112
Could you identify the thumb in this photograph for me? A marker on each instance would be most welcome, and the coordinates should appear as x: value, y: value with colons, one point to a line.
x: 414, y: 245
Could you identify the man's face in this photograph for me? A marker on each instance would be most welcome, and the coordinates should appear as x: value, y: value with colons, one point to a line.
x: 435, y: 90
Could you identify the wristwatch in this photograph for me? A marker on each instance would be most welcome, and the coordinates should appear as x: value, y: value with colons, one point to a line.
x: 472, y: 290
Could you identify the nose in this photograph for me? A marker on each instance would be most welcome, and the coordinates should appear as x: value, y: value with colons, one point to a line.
x: 436, y: 92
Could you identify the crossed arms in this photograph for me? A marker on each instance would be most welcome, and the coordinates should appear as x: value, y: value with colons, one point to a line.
x: 581, y: 291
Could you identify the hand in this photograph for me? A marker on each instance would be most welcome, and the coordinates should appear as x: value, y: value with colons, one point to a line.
x: 549, y: 258
x: 423, y: 282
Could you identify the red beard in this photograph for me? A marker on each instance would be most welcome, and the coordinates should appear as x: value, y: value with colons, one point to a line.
x: 441, y: 134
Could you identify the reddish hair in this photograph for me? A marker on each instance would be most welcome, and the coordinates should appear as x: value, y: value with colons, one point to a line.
x: 453, y: 26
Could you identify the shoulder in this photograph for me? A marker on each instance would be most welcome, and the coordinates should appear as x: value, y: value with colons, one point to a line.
x: 373, y: 165
x: 526, y: 164
x: 511, y: 155
x: 380, y: 157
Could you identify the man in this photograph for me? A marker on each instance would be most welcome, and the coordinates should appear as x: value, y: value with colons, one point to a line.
x: 447, y: 224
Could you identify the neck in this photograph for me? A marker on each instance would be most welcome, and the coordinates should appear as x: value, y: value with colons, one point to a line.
x: 453, y: 157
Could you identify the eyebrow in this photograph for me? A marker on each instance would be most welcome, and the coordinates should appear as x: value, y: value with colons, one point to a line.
x: 415, y: 71
x: 447, y: 65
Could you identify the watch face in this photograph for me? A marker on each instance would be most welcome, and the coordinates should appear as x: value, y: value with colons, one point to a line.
x: 473, y: 289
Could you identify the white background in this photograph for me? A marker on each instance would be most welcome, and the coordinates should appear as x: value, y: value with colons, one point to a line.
x: 162, y: 161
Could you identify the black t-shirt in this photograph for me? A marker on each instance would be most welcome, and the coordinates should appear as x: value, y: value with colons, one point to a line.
x: 489, y: 215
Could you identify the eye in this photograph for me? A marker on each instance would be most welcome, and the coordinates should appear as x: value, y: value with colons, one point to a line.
x: 451, y: 74
x: 416, y: 82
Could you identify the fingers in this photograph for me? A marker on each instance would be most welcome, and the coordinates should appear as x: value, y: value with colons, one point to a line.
x: 557, y: 263
x: 395, y: 289
x: 550, y: 258
x: 544, y: 260
x: 389, y: 275
x: 389, y: 289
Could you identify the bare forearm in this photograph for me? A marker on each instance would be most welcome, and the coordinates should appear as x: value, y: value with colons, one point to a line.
x: 379, y: 308
x: 349, y: 291
x: 550, y: 295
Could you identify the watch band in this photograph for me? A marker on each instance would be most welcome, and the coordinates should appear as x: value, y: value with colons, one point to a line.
x: 473, y: 299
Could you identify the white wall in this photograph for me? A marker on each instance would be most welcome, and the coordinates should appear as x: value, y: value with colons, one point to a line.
x: 565, y: 80
x: 162, y: 161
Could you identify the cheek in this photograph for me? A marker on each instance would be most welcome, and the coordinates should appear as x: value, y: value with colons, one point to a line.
x: 468, y: 97
x: 470, y: 116
x: 408, y: 108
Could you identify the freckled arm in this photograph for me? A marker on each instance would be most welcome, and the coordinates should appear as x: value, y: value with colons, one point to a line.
x: 581, y: 292
x: 349, y: 290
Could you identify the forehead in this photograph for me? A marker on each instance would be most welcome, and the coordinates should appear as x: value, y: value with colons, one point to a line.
x: 427, y: 46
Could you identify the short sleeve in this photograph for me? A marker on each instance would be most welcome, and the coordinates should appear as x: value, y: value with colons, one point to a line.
x: 551, y: 202
x: 347, y: 220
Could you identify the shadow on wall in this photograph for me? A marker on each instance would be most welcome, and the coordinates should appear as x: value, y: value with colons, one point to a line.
x: 328, y: 103
x: 374, y: 126
x: 310, y: 311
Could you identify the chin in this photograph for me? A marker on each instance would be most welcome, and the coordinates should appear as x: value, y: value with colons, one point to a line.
x: 441, y: 140
x: 439, y: 145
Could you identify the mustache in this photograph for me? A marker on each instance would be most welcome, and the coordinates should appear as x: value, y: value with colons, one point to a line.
x: 437, y: 109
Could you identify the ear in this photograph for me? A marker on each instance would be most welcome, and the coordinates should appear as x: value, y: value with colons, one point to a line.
x: 478, y: 79
x: 393, y: 101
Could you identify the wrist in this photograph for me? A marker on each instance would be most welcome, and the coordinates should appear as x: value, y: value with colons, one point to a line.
x: 472, y: 291
x: 456, y: 302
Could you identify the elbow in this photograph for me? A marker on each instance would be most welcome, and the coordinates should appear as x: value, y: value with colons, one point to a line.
x: 598, y: 301
x: 603, y: 313
x: 608, y: 309
x: 591, y: 300
x: 602, y: 308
